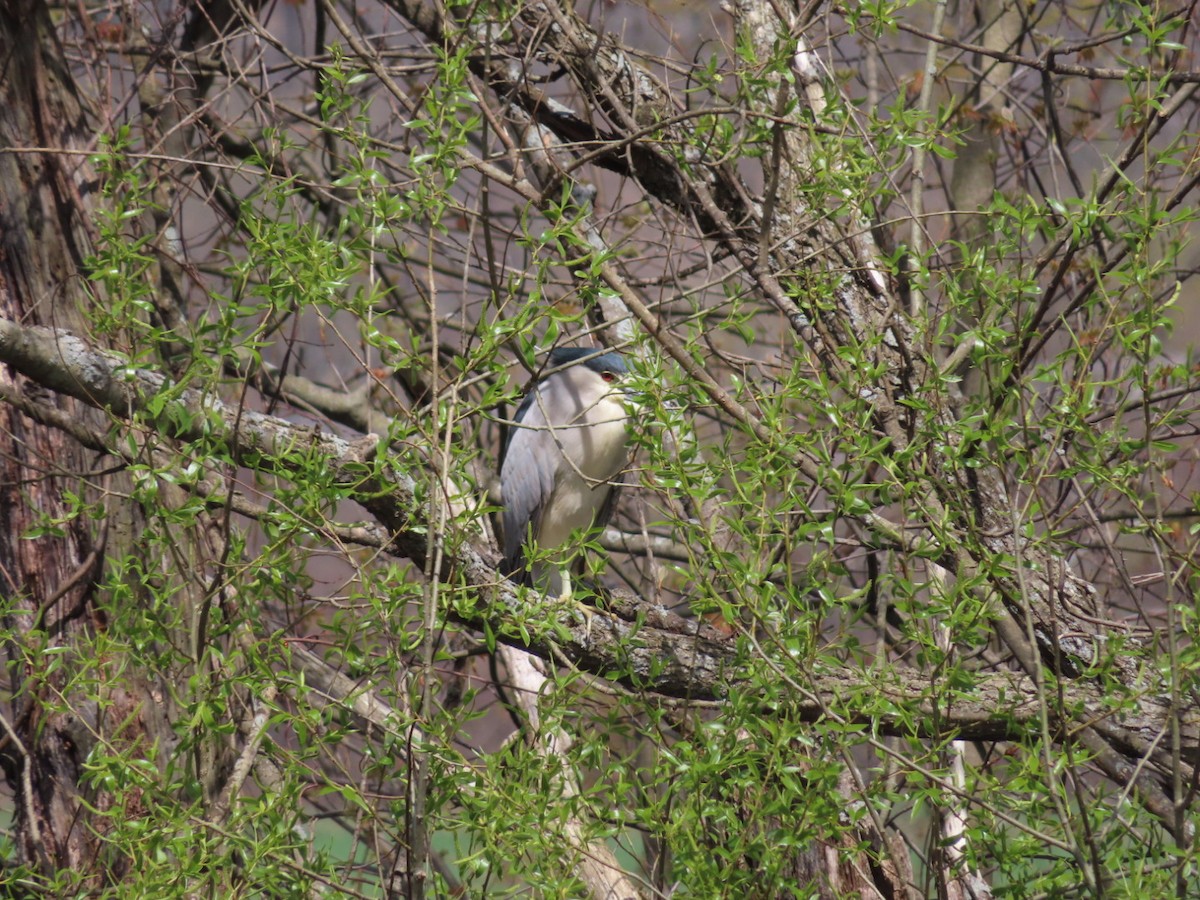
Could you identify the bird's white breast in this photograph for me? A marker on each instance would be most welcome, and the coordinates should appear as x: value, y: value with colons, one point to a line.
x: 594, y: 450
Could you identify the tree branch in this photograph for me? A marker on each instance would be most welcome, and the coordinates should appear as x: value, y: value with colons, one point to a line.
x: 639, y: 646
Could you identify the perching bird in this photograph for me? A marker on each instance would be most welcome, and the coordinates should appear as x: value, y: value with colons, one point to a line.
x: 567, y: 444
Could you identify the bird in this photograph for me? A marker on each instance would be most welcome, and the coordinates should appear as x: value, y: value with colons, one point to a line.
x: 566, y: 445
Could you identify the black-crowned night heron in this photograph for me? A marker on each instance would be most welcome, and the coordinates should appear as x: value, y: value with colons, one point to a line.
x: 567, y: 444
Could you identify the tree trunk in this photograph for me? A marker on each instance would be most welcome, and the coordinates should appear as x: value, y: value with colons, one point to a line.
x: 51, y: 553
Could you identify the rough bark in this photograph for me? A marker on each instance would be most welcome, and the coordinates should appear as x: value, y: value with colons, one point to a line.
x: 52, y: 554
x: 48, y: 579
x: 643, y: 647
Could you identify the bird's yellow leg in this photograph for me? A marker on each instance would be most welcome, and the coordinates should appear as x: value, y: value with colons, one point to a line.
x: 566, y: 595
x: 587, y: 610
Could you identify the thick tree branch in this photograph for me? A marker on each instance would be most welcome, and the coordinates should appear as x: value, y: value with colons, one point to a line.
x: 641, y: 647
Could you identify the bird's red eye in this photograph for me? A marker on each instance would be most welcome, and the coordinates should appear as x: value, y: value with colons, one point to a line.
x: 610, y: 377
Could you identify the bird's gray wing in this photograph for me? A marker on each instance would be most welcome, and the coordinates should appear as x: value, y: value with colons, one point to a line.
x: 526, y: 481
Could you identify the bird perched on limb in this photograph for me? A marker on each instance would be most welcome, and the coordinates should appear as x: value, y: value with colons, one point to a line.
x: 567, y: 444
